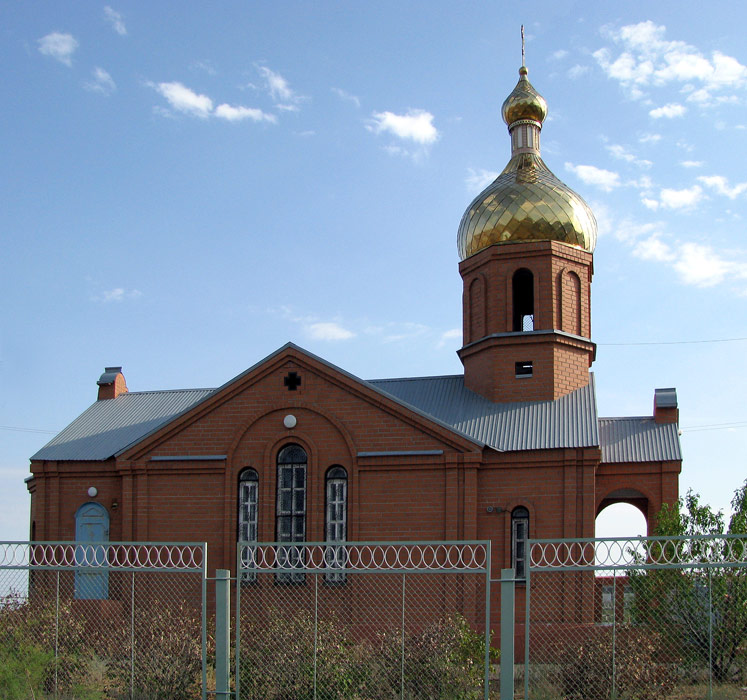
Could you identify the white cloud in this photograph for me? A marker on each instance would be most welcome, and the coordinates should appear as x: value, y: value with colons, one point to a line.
x: 559, y: 55
x: 182, y: 99
x: 668, y: 111
x: 237, y: 114
x: 577, y: 71
x: 652, y: 204
x: 701, y: 266
x: 691, y: 163
x: 59, y: 46
x: 102, y: 82
x: 695, y: 263
x: 621, y: 153
x: 448, y: 336
x: 416, y: 125
x: 629, y: 231
x: 648, y: 59
x: 478, y: 180
x: 591, y: 175
x: 278, y: 87
x: 650, y: 138
x: 330, y: 331
x: 346, y: 96
x: 655, y: 249
x: 187, y: 101
x: 119, y: 294
x: 115, y: 19
x: 721, y: 185
x: 681, y: 199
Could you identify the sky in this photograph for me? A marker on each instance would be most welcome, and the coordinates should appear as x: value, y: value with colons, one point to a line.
x: 185, y: 188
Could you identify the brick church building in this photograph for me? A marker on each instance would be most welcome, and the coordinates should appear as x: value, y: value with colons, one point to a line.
x: 297, y: 449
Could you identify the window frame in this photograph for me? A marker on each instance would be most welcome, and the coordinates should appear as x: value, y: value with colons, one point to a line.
x: 519, y: 552
x: 288, y: 472
x: 250, y: 525
x: 335, y: 556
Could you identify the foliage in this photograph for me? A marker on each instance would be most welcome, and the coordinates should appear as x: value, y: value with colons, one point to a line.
x: 636, y: 655
x: 277, y: 658
x: 701, y: 611
x: 168, y: 652
x: 444, y: 660
x: 28, y: 638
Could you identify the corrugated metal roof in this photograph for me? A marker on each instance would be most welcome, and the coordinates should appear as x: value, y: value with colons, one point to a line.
x: 110, y: 425
x: 571, y: 421
x: 638, y: 440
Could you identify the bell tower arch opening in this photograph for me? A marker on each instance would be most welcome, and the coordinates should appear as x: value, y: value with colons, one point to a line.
x: 522, y: 288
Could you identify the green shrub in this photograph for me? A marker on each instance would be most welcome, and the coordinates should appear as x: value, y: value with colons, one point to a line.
x: 586, y: 668
x: 167, y: 651
x: 28, y: 637
x: 445, y: 660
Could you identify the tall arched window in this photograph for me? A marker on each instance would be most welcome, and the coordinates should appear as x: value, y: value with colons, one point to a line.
x: 291, y: 507
x: 522, y: 287
x: 519, y: 537
x: 336, y: 521
x: 248, y: 518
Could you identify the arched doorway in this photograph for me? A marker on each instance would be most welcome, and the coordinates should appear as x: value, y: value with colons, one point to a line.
x: 91, y: 528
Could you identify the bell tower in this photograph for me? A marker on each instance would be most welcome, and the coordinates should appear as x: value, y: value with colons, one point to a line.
x: 526, y: 245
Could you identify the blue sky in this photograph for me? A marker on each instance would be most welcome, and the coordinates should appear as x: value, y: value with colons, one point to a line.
x: 186, y: 188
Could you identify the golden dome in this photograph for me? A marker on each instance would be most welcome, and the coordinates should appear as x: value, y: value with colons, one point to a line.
x: 526, y: 202
x: 524, y: 102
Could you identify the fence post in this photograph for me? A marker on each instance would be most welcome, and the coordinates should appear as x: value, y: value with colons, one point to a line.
x: 507, y: 633
x: 222, y: 633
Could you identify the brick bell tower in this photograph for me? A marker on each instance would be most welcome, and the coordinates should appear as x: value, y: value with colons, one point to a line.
x: 526, y: 245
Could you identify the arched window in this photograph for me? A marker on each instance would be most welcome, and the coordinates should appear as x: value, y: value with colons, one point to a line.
x: 519, y: 537
x: 291, y: 507
x: 248, y: 517
x: 522, y: 286
x: 336, y: 521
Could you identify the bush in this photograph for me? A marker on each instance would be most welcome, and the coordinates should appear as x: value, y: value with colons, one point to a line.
x: 28, y: 635
x: 445, y: 660
x: 168, y: 653
x: 586, y: 667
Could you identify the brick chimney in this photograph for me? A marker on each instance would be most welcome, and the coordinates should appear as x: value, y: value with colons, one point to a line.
x: 665, y: 406
x: 111, y: 383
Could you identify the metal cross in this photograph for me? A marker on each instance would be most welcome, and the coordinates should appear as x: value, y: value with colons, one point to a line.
x: 292, y: 381
x: 523, y: 63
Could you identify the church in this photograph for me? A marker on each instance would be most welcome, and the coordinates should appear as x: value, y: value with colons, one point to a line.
x: 296, y: 449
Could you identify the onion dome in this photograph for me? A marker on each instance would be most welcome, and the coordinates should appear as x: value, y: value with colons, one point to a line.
x: 526, y: 202
x: 524, y: 102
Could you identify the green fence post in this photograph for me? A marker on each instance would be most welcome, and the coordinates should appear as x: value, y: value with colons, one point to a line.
x: 222, y: 633
x: 507, y: 633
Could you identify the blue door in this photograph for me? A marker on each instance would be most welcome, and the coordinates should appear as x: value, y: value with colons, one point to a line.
x: 92, y: 531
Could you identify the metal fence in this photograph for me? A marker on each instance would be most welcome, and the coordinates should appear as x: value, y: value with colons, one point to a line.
x: 362, y: 620
x: 641, y: 618
x: 92, y: 620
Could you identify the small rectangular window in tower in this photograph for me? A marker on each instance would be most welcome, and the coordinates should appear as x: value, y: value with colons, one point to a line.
x: 524, y: 369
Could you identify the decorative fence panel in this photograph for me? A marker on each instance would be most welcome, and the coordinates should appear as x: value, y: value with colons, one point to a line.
x: 363, y: 620
x: 636, y: 619
x: 102, y: 620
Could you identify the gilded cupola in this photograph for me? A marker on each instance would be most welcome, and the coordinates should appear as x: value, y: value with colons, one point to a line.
x: 526, y: 202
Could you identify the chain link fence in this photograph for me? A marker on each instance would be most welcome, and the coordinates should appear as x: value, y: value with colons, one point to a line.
x: 366, y: 621
x: 92, y: 620
x: 636, y: 619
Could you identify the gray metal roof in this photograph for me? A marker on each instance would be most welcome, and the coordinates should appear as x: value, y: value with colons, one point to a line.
x: 571, y: 421
x: 109, y: 426
x: 638, y: 440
